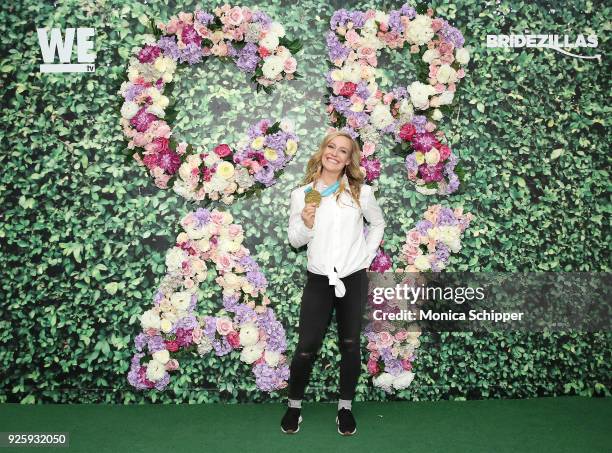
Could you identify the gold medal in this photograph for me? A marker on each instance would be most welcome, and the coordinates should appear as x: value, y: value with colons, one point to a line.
x: 313, y: 196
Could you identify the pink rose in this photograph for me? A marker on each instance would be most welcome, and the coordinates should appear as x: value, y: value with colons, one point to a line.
x: 224, y: 326
x: 217, y: 217
x: 406, y: 364
x: 234, y: 230
x: 437, y: 24
x: 172, y: 365
x: 233, y: 338
x: 290, y: 65
x: 385, y: 339
x: 368, y: 149
x: 352, y: 37
x: 413, y: 237
x: 371, y: 346
x: 366, y: 53
x: 401, y: 335
x: 373, y: 367
x: 446, y: 47
x: 223, y: 150
x: 196, y: 334
x: 224, y: 262
x: 235, y: 16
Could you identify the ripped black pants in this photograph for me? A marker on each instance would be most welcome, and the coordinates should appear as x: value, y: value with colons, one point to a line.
x: 318, y: 302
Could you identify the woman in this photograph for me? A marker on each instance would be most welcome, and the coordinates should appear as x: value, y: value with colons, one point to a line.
x: 329, y: 220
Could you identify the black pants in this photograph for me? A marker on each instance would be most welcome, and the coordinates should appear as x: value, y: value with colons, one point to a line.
x: 318, y: 302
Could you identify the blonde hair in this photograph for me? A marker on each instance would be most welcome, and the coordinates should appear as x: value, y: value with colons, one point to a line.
x: 352, y: 170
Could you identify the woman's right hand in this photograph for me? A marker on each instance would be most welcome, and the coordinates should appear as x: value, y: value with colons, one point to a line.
x: 308, y: 214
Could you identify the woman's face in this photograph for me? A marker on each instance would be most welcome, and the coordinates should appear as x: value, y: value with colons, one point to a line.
x: 336, y: 154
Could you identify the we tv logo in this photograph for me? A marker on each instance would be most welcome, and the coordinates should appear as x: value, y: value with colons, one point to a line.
x: 52, y: 42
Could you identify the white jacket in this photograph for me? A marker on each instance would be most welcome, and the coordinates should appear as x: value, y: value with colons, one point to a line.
x: 337, y: 246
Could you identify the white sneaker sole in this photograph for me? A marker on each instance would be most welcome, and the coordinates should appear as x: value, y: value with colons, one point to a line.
x: 293, y: 432
x: 340, y: 432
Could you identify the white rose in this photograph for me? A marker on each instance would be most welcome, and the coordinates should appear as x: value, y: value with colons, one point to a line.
x: 291, y: 147
x: 277, y: 29
x: 129, y: 109
x: 430, y: 55
x: 403, y: 380
x: 287, y: 125
x: 337, y: 75
x: 165, y: 325
x: 270, y: 41
x: 352, y: 73
x: 446, y: 74
x: 370, y: 26
x: 272, y: 357
x: 406, y: 109
x: 155, y: 370
x: 381, y: 116
x: 384, y: 381
x: 150, y: 320
x: 272, y: 67
x: 419, y: 94
x: 421, y: 262
x: 181, y: 300
x: 204, y: 245
x: 381, y: 17
x: 156, y: 110
x: 432, y: 157
x: 462, y: 55
x: 446, y: 98
x: 162, y: 356
x: 251, y: 353
x: 436, y: 115
x: 249, y: 334
x: 420, y: 31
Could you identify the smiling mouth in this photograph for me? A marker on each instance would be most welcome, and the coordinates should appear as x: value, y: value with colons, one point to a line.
x: 332, y: 160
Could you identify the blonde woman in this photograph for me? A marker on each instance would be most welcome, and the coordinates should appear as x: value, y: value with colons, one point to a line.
x: 327, y: 215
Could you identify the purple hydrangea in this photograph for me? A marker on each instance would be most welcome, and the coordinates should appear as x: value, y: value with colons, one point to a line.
x: 169, y: 47
x: 268, y: 378
x: 248, y: 58
x: 191, y: 54
x: 204, y: 18
x: 335, y: 49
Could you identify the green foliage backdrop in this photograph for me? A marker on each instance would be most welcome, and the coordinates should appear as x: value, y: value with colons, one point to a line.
x: 84, y: 231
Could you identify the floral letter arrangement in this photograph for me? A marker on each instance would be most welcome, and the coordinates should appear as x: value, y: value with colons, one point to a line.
x: 258, y: 46
x: 410, y: 114
x: 245, y: 323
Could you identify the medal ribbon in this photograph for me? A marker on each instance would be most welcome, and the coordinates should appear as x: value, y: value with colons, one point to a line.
x: 331, y: 189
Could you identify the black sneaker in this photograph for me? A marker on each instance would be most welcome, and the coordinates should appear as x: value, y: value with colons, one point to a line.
x: 290, y: 424
x: 346, y: 422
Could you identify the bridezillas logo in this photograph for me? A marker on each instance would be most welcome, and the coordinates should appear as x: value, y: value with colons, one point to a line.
x: 560, y: 43
x: 50, y: 42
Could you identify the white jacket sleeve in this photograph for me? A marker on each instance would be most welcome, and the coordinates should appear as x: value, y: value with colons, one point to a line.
x: 299, y: 233
x: 374, y: 215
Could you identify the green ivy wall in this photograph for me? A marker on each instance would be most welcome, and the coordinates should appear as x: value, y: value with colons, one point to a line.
x: 83, y: 231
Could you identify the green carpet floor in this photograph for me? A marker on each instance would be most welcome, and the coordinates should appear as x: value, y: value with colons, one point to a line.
x: 565, y: 424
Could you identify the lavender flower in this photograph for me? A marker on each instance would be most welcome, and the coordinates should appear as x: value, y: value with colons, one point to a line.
x: 335, y: 49
x: 169, y: 47
x: 191, y: 54
x: 248, y: 58
x: 204, y: 18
